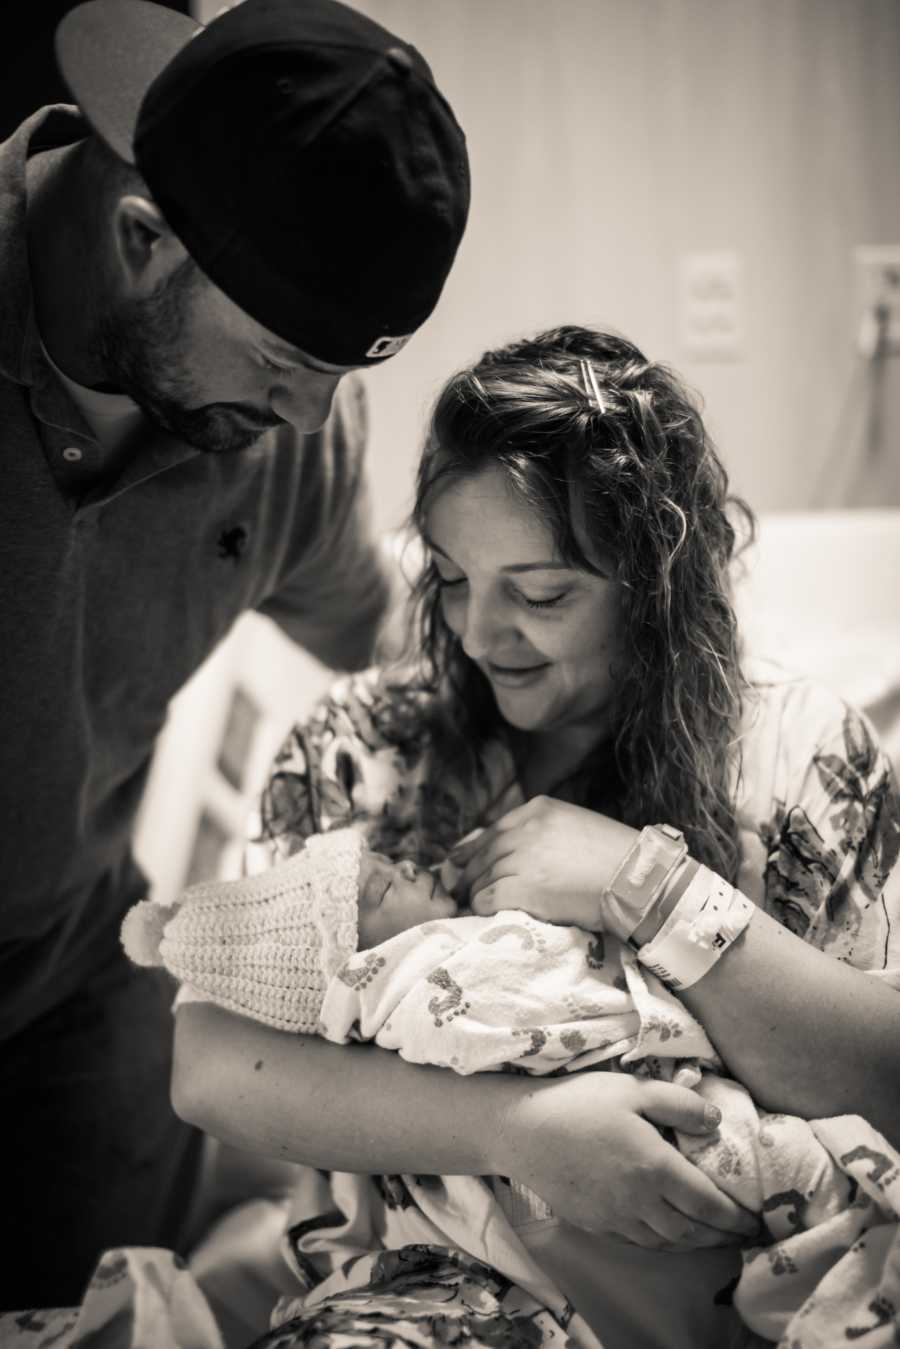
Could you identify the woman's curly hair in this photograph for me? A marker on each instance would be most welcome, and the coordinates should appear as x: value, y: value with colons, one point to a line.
x: 611, y: 453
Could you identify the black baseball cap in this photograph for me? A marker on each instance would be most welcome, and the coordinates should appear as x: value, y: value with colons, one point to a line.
x: 302, y: 154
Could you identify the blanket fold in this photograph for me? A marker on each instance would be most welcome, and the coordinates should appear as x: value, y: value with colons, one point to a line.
x: 509, y: 992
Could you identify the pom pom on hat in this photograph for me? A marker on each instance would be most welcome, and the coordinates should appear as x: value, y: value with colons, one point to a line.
x: 267, y: 945
x: 142, y: 931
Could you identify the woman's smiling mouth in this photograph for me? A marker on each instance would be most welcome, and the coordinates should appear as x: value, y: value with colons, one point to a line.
x: 515, y: 676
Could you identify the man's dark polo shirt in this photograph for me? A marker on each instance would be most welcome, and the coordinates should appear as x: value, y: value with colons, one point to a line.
x: 112, y: 591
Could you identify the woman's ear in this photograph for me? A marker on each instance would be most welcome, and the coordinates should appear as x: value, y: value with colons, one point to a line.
x: 146, y: 250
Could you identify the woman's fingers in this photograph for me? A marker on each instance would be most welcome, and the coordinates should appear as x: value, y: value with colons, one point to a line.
x: 638, y: 1233
x: 664, y: 1229
x: 479, y: 839
x: 699, y: 1200
x: 492, y: 896
x: 483, y: 866
x: 686, y: 1234
x: 463, y: 850
x: 682, y: 1183
x: 666, y: 1104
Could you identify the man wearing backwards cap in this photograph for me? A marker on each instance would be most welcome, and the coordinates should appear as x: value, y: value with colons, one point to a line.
x: 238, y: 216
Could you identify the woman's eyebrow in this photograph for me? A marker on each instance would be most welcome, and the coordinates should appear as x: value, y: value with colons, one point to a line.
x: 550, y: 565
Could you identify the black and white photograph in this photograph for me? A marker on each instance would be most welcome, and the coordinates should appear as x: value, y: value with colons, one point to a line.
x: 450, y: 666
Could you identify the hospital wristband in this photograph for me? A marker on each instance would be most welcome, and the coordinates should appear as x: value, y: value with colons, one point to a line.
x: 642, y: 878
x: 708, y: 918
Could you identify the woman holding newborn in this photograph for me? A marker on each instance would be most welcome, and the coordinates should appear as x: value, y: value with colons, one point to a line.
x: 577, y: 685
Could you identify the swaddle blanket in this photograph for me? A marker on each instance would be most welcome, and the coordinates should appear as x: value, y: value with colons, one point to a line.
x: 480, y: 994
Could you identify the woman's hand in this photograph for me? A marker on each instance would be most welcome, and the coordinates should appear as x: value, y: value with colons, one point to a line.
x: 548, y: 857
x: 588, y: 1146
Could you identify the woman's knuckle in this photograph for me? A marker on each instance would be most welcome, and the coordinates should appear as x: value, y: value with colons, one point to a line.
x: 655, y: 1174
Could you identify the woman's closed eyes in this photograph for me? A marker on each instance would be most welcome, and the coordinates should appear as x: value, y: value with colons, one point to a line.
x: 547, y: 602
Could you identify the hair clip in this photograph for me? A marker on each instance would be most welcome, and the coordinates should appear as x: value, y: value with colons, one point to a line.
x: 591, y: 387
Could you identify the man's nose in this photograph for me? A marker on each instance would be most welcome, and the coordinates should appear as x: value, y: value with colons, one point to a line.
x: 305, y: 399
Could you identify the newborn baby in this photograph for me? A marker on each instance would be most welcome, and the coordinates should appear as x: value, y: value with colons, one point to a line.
x: 396, y: 896
x: 342, y: 942
x: 268, y: 945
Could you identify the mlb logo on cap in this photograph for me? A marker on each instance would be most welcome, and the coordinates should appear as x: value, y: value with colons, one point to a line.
x: 388, y: 346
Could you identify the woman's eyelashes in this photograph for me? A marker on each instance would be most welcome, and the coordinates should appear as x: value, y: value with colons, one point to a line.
x: 546, y: 602
x: 549, y: 603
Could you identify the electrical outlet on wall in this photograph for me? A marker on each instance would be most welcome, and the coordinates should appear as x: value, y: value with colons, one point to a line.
x: 877, y: 299
x: 711, y: 304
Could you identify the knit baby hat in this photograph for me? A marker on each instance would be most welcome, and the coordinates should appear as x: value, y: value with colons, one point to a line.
x: 267, y: 945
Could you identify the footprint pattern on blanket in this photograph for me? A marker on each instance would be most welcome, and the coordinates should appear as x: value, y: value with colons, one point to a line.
x: 356, y: 975
x: 529, y: 936
x: 446, y: 1009
x: 793, y: 1202
x: 883, y: 1173
x: 596, y: 952
x: 884, y: 1312
x: 537, y: 1037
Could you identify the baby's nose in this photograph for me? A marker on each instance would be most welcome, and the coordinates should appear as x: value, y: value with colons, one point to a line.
x: 408, y: 870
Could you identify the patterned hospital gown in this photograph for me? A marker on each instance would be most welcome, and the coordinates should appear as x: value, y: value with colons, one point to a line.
x: 374, y: 1264
x: 819, y: 824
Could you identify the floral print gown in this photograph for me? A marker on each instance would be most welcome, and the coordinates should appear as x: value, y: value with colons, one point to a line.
x: 820, y: 831
x: 819, y: 823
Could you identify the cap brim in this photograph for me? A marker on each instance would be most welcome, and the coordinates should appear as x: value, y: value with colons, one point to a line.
x: 109, y: 53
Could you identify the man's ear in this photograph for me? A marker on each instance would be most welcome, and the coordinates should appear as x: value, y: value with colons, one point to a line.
x: 146, y: 250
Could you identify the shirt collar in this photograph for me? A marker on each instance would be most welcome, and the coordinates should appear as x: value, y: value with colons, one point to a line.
x: 20, y: 359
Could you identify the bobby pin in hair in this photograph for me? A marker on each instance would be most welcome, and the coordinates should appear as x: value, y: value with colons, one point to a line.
x: 590, y: 385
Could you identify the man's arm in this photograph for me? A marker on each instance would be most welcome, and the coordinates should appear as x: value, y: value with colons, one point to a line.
x: 333, y: 597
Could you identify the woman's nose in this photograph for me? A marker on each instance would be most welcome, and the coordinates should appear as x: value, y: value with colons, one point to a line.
x: 481, y: 623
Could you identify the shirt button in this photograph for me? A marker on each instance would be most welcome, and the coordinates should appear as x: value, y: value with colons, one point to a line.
x: 72, y: 454
x: 400, y: 60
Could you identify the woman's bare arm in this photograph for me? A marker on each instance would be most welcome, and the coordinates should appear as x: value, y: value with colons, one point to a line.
x: 339, y: 1107
x: 803, y: 1032
x: 587, y: 1143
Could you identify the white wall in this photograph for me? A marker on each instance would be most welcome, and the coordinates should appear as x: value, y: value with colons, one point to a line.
x: 608, y: 137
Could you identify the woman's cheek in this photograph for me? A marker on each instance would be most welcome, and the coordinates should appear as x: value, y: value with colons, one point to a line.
x: 452, y: 612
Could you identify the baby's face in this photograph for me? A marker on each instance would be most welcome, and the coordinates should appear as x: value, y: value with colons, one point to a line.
x: 394, y: 896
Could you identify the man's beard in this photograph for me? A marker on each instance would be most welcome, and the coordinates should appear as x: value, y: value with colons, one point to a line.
x: 141, y: 347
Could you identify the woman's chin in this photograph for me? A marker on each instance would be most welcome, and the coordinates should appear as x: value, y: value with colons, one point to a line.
x: 521, y: 713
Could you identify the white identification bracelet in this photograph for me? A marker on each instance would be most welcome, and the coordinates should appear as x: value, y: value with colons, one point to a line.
x: 708, y: 917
